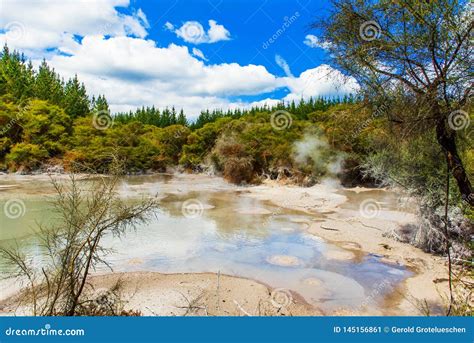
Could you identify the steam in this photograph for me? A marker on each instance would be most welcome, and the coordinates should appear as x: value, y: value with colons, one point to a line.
x: 314, y: 151
x: 309, y: 148
x: 335, y: 166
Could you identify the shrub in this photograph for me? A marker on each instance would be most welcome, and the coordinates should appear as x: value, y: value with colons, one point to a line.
x: 230, y: 157
x: 25, y: 156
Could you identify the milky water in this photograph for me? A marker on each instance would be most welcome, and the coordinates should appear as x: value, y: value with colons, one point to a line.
x: 227, y: 232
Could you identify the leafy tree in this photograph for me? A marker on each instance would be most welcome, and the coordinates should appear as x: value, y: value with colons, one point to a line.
x: 417, y: 51
x: 26, y: 156
x: 46, y: 125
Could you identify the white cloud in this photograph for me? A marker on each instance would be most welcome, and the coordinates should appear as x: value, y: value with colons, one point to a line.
x: 313, y: 42
x: 113, y: 57
x: 169, y: 26
x: 33, y: 26
x: 217, y: 32
x: 323, y: 81
x: 283, y: 65
x: 194, y: 32
x: 320, y: 81
x: 268, y: 102
x: 198, y: 53
x: 135, y: 72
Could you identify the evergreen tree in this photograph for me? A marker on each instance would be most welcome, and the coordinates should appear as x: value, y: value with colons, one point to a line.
x: 101, y: 104
x: 16, y: 77
x: 182, y: 118
x: 165, y: 118
x: 75, y: 102
x: 173, y: 119
x: 47, y: 85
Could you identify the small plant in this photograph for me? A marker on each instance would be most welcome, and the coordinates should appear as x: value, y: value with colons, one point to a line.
x: 86, y: 212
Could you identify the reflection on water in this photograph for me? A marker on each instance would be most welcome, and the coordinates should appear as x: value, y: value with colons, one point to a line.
x: 232, y: 234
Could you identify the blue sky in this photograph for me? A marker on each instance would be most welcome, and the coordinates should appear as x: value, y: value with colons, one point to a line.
x: 192, y: 54
x: 251, y: 23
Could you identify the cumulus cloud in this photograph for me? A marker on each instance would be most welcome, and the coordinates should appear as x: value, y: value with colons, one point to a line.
x: 194, y: 32
x: 34, y: 26
x: 111, y: 54
x: 268, y: 102
x: 314, y: 42
x: 136, y: 72
x: 320, y: 81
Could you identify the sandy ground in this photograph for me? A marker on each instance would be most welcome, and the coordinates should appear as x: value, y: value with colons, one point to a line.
x: 358, y: 235
x: 206, y: 294
x: 203, y: 294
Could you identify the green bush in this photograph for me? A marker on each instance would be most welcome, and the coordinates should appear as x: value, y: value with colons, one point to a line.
x: 25, y: 156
